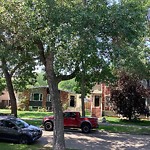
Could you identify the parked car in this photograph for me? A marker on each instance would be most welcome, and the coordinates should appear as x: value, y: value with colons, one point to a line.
x: 72, y: 120
x: 17, y: 130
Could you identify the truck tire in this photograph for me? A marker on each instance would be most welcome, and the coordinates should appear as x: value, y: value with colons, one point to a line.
x: 48, y: 126
x: 86, y: 128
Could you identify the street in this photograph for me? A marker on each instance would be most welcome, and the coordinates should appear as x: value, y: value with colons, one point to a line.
x: 99, y: 140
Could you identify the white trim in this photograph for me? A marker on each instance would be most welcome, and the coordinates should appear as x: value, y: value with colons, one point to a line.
x: 32, y: 96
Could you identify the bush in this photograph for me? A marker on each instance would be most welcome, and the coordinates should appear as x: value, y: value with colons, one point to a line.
x: 22, y: 105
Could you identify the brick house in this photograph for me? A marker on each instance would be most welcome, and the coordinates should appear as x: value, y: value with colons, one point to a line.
x: 146, y: 84
x: 96, y: 102
x: 100, y: 100
x: 4, y: 99
x: 39, y: 97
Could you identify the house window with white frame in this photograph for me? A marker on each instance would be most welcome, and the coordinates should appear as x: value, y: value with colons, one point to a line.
x: 37, y: 97
x: 48, y: 98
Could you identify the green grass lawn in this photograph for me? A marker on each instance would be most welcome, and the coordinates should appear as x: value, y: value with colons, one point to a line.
x: 115, y: 124
x: 28, y: 114
x: 11, y: 146
x: 34, y: 146
x: 116, y: 120
x: 125, y: 129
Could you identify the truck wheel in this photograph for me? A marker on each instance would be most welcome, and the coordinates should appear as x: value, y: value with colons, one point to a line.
x: 48, y: 126
x: 86, y: 128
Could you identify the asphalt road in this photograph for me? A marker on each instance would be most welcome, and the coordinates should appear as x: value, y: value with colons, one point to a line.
x: 99, y: 140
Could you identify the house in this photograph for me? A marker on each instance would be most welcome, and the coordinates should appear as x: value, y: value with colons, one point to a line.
x: 146, y: 84
x: 38, y: 97
x: 96, y: 102
x: 4, y: 99
x: 100, y: 97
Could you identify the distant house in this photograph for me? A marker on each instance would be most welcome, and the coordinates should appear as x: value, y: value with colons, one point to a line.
x: 146, y: 84
x: 4, y: 99
x: 96, y: 102
x: 39, y: 97
x: 100, y: 97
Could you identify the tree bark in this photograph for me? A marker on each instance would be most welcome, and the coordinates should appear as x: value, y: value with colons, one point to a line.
x: 58, y: 133
x: 10, y: 88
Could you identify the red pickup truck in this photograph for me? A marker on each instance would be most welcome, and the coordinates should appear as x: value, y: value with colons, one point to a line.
x: 72, y: 120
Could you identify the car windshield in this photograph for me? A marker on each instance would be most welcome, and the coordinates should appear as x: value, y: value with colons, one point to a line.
x: 20, y: 123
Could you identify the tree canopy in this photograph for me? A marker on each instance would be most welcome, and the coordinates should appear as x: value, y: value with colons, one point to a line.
x: 70, y: 39
x: 17, y: 63
x: 128, y: 96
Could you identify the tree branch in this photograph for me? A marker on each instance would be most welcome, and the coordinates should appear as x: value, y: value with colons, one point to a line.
x: 67, y: 77
x: 40, y: 46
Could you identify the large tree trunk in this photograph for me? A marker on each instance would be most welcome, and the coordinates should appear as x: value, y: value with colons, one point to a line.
x: 58, y: 141
x: 10, y: 89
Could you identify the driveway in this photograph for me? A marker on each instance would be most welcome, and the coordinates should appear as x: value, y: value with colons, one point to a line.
x: 99, y: 140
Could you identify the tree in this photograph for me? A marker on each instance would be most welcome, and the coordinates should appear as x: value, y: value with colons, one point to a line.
x: 72, y: 40
x: 41, y: 79
x: 128, y: 96
x: 16, y: 63
x: 2, y: 84
x: 55, y: 40
x: 108, y: 35
x: 69, y: 85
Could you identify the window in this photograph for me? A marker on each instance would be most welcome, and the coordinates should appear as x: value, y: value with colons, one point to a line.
x: 37, y: 97
x: 97, y: 101
x: 69, y: 115
x: 72, y: 101
x: 66, y: 114
x: 8, y: 124
x: 48, y: 98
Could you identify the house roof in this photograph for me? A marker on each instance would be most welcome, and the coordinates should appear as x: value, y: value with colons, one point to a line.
x: 97, y: 91
x: 37, y: 87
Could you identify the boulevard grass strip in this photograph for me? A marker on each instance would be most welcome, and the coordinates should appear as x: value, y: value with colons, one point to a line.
x: 125, y: 129
x: 14, y: 146
x: 34, y: 146
x: 117, y: 120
